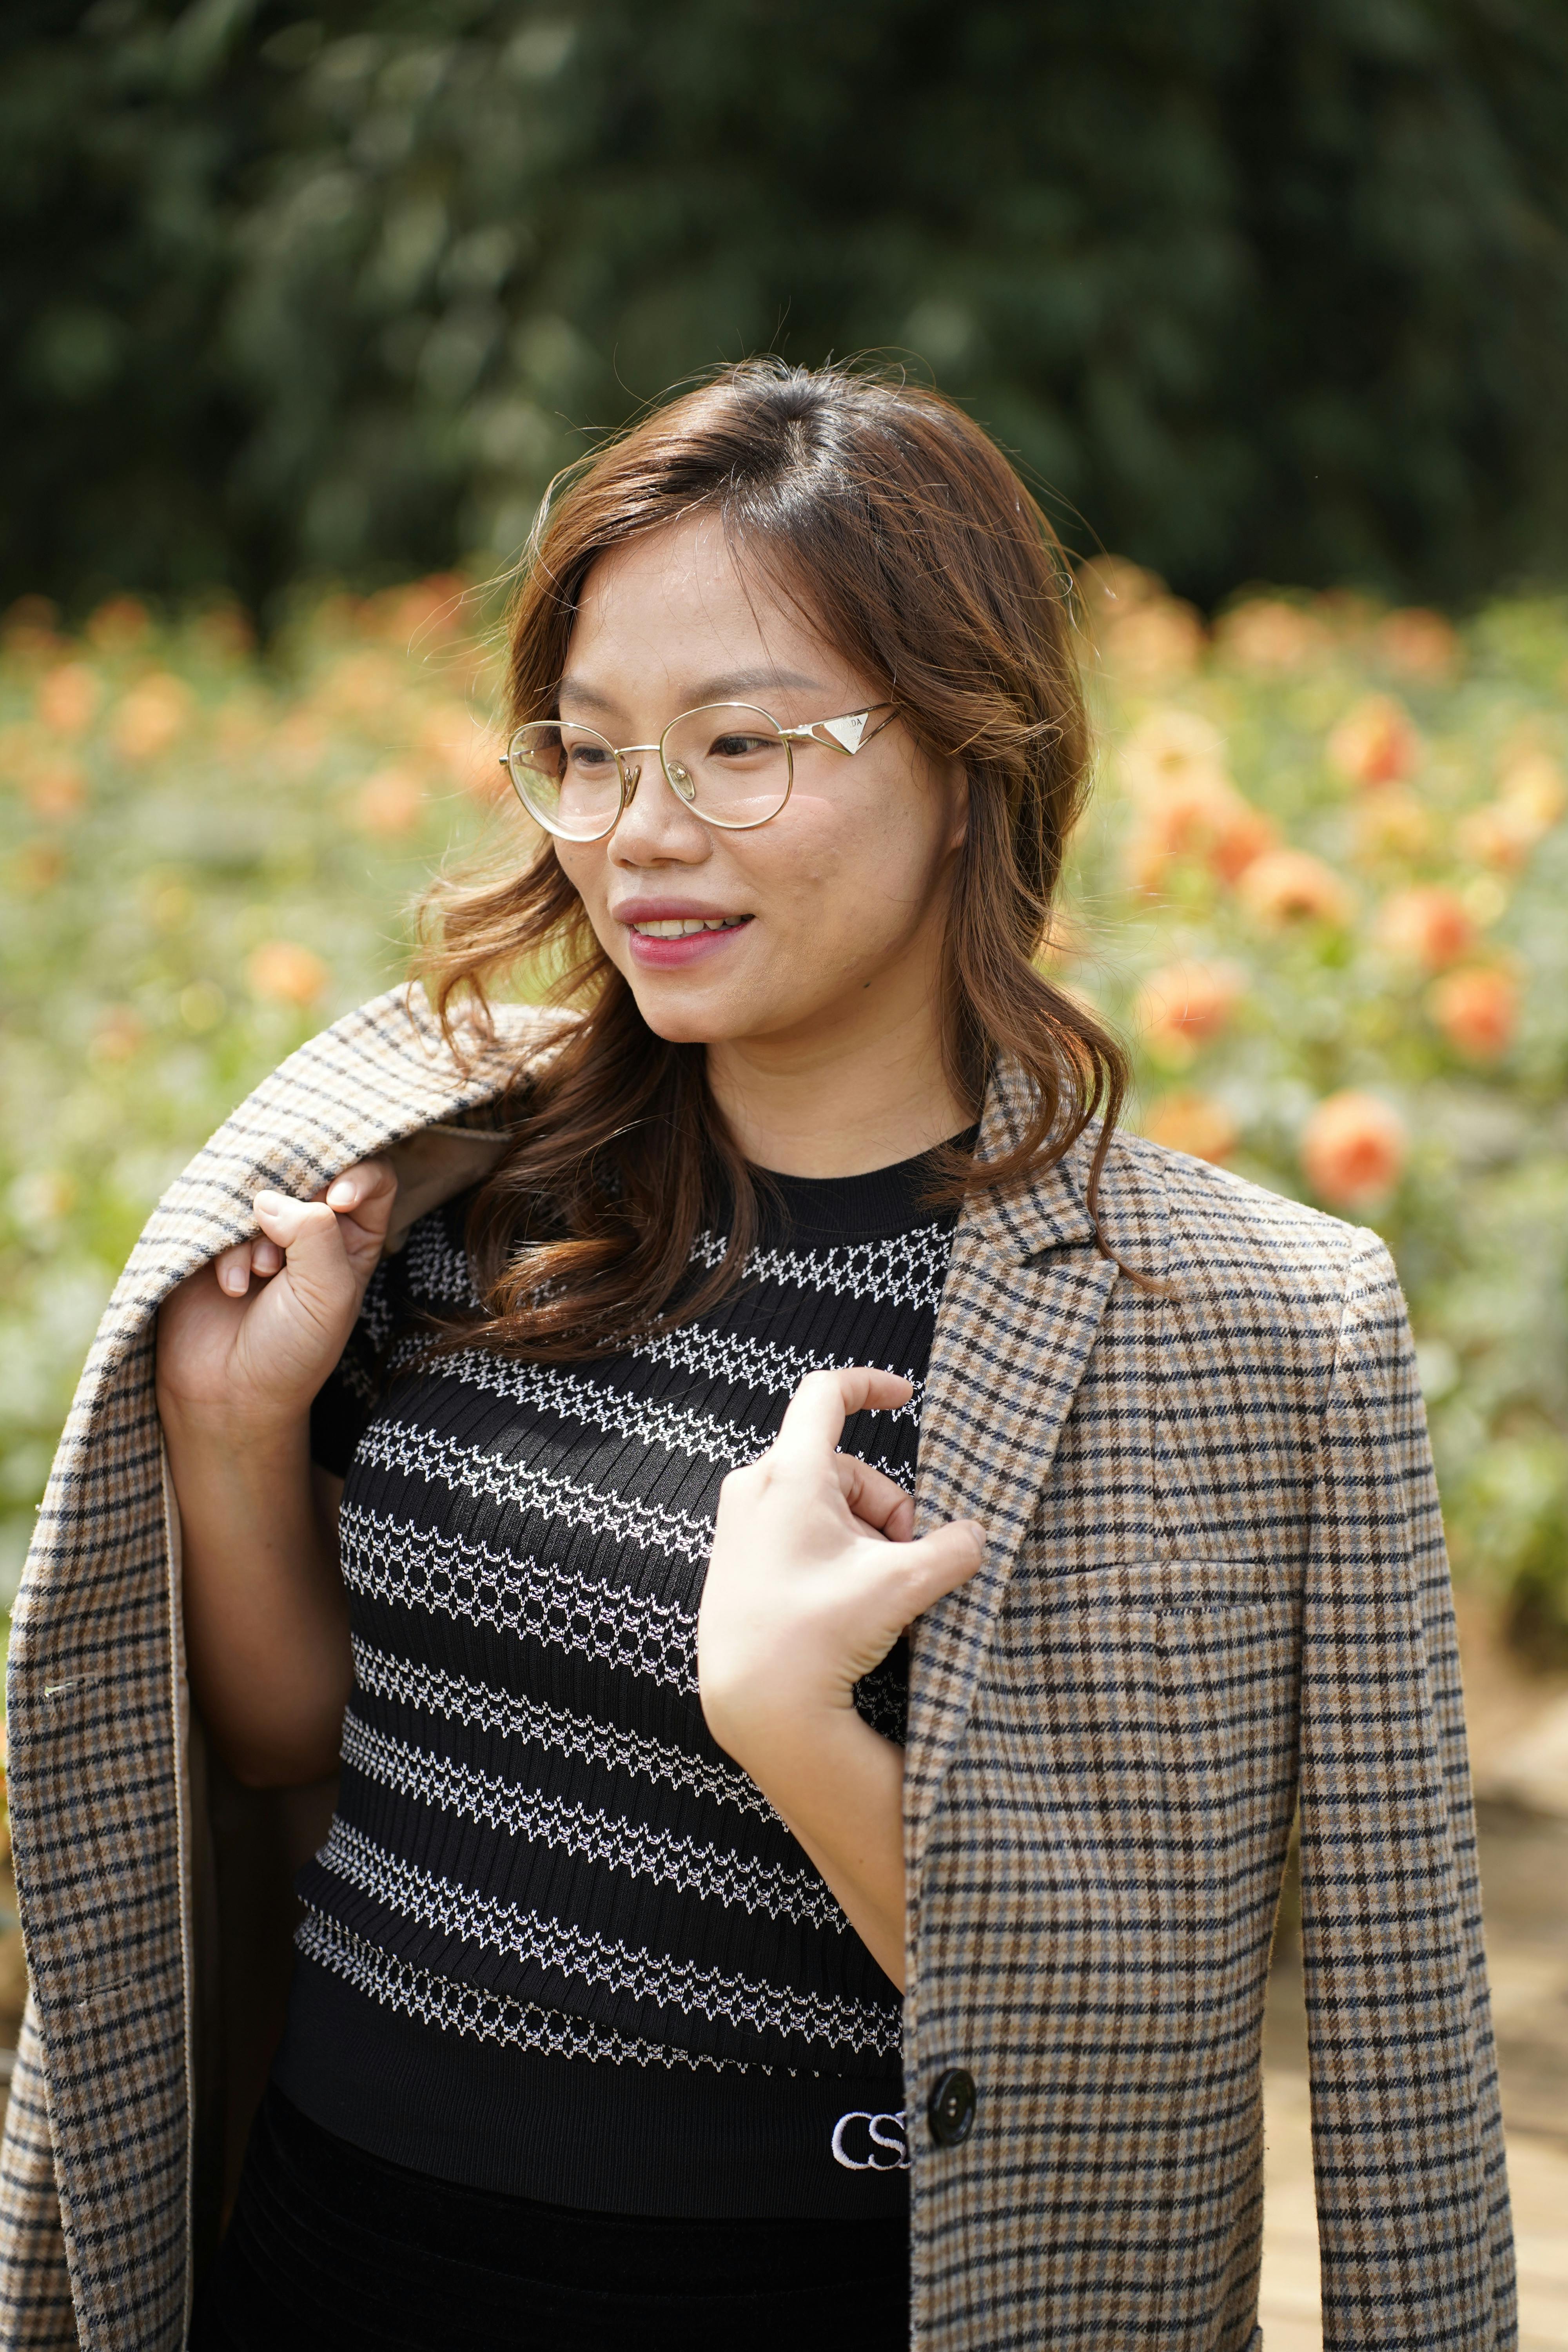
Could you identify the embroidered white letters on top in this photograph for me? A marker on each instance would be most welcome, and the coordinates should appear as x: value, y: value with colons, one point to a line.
x: 847, y: 2139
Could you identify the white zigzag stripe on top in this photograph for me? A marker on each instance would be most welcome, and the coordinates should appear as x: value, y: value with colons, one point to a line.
x: 454, y: 1577
x: 754, y: 1363
x: 663, y: 1855
x: 436, y: 1268
x: 713, y: 1993
x: 901, y: 1270
x: 702, y: 1436
x: 419, y: 1454
x: 456, y: 2008
x: 458, y: 1700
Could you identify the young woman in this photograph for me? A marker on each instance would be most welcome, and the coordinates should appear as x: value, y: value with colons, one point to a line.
x: 731, y: 1890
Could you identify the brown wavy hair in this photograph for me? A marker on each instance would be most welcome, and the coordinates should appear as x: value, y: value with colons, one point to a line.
x: 898, y: 525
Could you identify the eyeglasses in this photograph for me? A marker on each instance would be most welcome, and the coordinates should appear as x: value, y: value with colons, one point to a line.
x: 728, y: 763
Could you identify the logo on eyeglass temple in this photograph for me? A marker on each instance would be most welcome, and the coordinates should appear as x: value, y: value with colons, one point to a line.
x: 848, y: 732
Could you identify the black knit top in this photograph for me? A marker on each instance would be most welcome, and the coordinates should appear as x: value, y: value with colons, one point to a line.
x: 557, y: 1943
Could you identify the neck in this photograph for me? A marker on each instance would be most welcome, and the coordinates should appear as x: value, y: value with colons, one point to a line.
x: 836, y: 1105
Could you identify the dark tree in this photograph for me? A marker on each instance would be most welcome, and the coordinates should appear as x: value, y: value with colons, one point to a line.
x: 1259, y: 291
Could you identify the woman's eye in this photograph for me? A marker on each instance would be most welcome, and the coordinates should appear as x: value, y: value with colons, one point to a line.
x: 737, y: 747
x: 589, y: 756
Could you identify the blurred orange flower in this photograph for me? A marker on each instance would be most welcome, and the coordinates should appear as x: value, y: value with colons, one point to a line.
x: 424, y: 609
x: 119, y: 624
x: 390, y: 802
x: 1477, y: 1010
x: 1172, y: 750
x: 1375, y: 742
x: 1151, y: 644
x: 1495, y: 836
x: 1190, y: 821
x: 1172, y: 766
x: 38, y: 866
x: 1292, y: 885
x: 1194, y: 1123
x: 27, y: 629
x: 360, y: 686
x: 153, y: 715
x: 284, y: 972
x: 1243, y: 834
x: 68, y: 696
x: 1431, y: 926
x: 1109, y: 583
x: 1532, y: 791
x: 1419, y: 643
x: 56, y: 789
x: 116, y: 1036
x: 1271, y: 636
x: 1392, y: 823
x: 1183, y: 1006
x: 1354, y: 1150
x: 224, y: 630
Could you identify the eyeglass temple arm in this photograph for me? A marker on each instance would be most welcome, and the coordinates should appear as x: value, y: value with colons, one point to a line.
x: 831, y: 742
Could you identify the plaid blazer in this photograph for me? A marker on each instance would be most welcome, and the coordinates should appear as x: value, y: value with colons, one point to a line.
x: 1215, y: 1586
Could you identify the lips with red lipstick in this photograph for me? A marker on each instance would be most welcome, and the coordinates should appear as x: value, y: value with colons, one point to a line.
x: 667, y: 934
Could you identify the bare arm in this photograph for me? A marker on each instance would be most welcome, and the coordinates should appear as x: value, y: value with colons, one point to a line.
x: 813, y: 1577
x: 243, y: 1348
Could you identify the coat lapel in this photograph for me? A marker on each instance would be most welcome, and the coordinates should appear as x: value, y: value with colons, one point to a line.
x: 1020, y: 1311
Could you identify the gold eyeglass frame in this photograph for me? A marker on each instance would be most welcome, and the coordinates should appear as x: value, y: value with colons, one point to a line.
x: 848, y: 734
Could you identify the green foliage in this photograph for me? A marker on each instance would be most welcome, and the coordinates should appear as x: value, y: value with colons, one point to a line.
x: 1322, y: 884
x: 1261, y: 291
x: 202, y: 860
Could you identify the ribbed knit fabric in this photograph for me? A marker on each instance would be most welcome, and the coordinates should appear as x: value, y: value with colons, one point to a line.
x: 332, y: 2250
x: 557, y: 1944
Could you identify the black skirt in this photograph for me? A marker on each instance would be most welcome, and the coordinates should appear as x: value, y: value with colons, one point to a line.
x: 331, y: 2247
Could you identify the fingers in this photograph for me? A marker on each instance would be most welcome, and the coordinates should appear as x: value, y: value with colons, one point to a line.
x: 815, y: 1417
x: 941, y: 1561
x: 365, y: 1192
x: 233, y: 1267
x: 307, y: 1232
x: 874, y: 1499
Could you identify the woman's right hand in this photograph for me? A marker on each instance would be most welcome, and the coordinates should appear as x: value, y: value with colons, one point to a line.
x: 245, y: 1344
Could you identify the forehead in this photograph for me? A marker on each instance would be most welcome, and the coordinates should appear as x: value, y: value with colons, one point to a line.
x: 681, y: 596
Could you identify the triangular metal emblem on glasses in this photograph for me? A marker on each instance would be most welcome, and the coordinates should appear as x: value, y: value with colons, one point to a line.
x: 848, y: 732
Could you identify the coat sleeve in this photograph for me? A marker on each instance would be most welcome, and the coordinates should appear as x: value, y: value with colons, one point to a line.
x: 1407, y: 2135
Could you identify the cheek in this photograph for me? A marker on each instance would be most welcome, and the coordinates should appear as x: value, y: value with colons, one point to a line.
x: 583, y: 867
x: 878, y: 854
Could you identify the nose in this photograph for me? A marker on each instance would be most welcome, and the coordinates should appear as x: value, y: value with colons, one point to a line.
x: 655, y: 828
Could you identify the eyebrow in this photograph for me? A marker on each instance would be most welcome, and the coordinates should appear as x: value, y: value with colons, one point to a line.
x: 728, y: 688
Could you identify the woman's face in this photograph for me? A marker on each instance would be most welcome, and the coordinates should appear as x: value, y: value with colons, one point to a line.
x: 833, y: 912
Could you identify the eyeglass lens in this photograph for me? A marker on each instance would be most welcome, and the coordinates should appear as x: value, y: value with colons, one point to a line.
x: 729, y: 763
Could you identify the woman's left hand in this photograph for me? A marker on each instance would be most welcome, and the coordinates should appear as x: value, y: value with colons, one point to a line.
x: 814, y: 1571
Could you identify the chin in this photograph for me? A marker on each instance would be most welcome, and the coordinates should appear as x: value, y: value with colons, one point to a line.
x: 694, y: 1023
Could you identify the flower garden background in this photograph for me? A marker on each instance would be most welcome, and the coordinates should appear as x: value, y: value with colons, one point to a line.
x: 1322, y: 886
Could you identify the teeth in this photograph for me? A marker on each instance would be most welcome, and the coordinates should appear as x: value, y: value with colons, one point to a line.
x: 681, y: 927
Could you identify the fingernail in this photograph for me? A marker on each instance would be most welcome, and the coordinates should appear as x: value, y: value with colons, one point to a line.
x: 271, y: 1200
x: 341, y: 1195
x: 234, y: 1279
